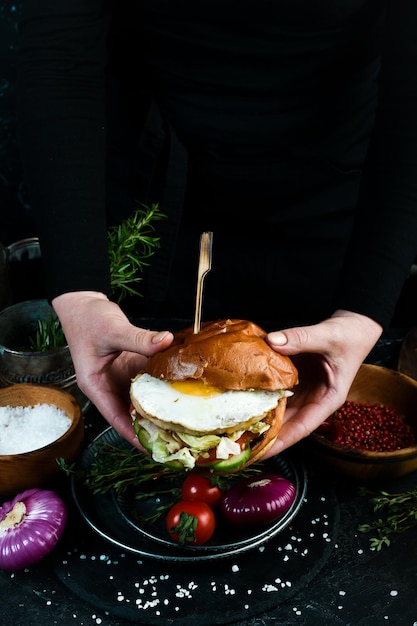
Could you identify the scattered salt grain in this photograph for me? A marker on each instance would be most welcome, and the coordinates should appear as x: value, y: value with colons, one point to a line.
x: 23, y: 429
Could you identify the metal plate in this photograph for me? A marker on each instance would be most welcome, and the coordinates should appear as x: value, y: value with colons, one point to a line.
x: 116, y: 519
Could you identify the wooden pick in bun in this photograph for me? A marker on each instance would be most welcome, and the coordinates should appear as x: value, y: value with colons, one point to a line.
x: 214, y: 399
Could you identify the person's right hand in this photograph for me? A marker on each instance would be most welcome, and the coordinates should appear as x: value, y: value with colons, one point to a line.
x: 107, y: 352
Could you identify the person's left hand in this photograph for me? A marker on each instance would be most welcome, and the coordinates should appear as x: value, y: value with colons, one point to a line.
x: 327, y: 356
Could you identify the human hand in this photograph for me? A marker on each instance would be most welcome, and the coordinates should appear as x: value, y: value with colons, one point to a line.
x: 327, y: 356
x: 107, y: 351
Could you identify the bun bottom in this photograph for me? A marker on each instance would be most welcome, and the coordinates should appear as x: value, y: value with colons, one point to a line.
x: 263, y: 443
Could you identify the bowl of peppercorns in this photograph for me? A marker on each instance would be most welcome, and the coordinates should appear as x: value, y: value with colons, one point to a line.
x: 373, y: 435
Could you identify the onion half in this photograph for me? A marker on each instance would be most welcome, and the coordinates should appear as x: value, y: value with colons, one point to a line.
x: 30, y: 526
x: 257, y: 501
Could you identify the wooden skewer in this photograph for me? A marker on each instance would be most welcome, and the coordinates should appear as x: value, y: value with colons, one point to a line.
x: 204, y: 266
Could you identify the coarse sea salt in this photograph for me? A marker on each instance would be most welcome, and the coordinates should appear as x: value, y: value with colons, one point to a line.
x: 23, y: 429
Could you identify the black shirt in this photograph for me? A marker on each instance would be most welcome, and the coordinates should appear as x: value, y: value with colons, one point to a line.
x: 270, y: 123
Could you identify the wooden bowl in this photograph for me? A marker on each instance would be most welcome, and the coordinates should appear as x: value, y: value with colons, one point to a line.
x: 373, y: 384
x: 35, y: 468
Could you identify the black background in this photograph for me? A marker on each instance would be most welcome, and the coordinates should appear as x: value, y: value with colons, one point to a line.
x: 15, y: 215
x: 16, y: 218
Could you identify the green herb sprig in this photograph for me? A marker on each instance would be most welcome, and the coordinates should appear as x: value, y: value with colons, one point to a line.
x: 120, y: 469
x: 400, y: 514
x: 131, y: 244
x: 126, y: 469
x: 49, y: 335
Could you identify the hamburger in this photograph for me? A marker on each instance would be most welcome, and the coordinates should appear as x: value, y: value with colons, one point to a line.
x: 214, y: 399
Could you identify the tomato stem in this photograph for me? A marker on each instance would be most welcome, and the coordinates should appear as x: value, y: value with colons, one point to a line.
x: 185, y: 529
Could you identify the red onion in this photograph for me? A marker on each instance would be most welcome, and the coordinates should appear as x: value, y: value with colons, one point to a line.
x: 30, y: 526
x: 257, y: 501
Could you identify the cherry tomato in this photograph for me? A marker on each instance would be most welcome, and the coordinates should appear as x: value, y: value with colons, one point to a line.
x: 197, y: 486
x: 191, y: 522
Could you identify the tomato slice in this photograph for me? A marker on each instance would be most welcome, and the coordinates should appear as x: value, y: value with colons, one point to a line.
x: 234, y: 461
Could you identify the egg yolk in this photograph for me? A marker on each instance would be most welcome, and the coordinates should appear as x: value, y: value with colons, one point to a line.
x: 195, y: 388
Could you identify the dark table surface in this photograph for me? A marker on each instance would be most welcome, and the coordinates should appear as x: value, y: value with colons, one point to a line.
x: 320, y: 570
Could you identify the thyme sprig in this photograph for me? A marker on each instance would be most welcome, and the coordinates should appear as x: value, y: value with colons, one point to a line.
x: 161, y: 510
x: 400, y: 514
x: 119, y: 469
x: 122, y: 469
x: 131, y: 244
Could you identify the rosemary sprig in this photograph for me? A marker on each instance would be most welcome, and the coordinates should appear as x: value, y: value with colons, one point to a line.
x: 400, y: 514
x: 49, y: 335
x: 131, y: 244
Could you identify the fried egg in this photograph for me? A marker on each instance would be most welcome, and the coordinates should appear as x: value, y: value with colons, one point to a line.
x: 193, y: 407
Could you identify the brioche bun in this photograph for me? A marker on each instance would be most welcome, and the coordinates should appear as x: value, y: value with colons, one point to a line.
x: 230, y: 354
x: 225, y: 382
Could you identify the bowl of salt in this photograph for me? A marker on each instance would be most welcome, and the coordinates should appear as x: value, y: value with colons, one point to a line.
x: 38, y: 426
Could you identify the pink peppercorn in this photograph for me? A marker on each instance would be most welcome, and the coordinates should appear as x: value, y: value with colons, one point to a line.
x: 365, y: 426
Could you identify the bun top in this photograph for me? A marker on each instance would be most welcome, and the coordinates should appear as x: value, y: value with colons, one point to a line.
x: 230, y: 354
